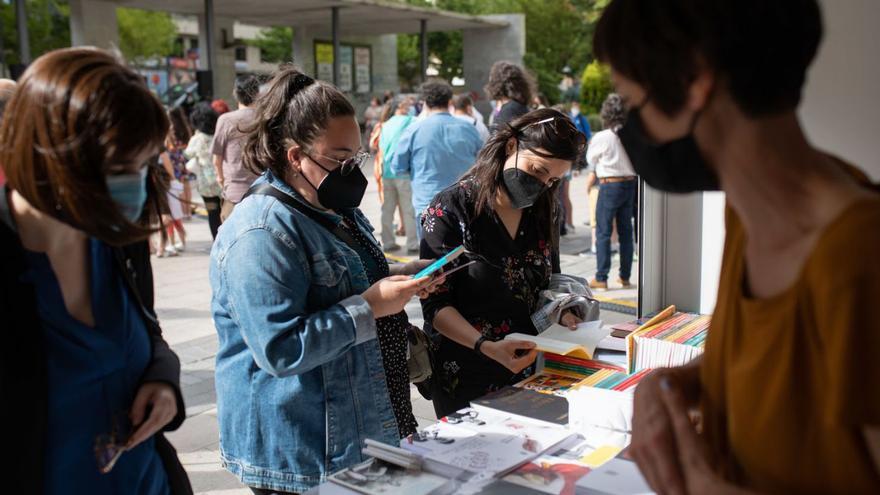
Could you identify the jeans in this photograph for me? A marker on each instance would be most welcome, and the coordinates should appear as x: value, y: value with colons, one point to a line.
x: 398, y: 192
x: 213, y: 207
x: 615, y: 203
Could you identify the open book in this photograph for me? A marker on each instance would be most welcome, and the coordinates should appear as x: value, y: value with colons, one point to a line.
x: 580, y: 343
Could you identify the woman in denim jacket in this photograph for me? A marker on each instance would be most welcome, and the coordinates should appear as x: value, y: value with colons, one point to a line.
x: 304, y: 317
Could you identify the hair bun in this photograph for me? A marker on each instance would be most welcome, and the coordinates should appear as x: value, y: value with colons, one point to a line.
x: 299, y: 82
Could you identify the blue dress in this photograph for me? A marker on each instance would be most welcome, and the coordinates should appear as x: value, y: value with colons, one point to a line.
x: 93, y: 375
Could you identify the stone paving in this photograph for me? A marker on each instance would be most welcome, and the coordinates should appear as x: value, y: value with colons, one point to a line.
x: 183, y: 297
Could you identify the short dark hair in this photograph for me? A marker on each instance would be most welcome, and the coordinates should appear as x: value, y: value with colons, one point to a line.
x: 509, y: 80
x: 461, y: 102
x: 760, y: 49
x: 247, y: 88
x: 437, y: 93
x: 204, y: 118
x: 294, y: 109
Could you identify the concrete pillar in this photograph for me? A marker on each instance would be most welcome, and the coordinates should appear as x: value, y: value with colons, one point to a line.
x: 24, y: 42
x: 93, y: 23
x: 224, y: 58
x: 508, y: 43
x: 304, y: 50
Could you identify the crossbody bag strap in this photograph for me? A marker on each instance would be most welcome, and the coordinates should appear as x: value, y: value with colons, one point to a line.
x: 267, y: 190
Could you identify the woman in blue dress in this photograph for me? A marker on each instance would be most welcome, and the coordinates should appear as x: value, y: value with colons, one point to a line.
x: 90, y: 383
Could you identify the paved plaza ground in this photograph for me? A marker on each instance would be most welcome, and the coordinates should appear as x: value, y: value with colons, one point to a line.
x: 183, y: 297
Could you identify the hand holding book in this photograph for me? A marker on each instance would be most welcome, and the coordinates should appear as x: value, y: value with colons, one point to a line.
x: 515, y: 355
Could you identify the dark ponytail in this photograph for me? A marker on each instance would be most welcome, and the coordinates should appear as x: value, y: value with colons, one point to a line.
x: 556, y: 138
x: 294, y: 109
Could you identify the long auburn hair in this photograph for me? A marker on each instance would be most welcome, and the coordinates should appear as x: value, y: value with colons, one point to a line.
x: 76, y: 112
x: 545, y: 132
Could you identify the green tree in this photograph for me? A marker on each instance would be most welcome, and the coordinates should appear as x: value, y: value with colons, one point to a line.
x: 408, y: 67
x: 558, y: 34
x: 275, y: 44
x: 595, y: 86
x: 48, y: 28
x: 145, y: 34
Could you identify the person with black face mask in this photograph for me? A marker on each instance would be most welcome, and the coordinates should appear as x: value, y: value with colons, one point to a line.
x: 786, y: 390
x: 504, y: 213
x: 310, y: 316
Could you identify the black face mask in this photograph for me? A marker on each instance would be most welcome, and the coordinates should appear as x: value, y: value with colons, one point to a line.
x: 338, y: 191
x: 676, y: 166
x: 522, y: 188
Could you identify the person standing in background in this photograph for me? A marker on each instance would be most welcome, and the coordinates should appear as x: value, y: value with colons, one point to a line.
x: 463, y: 109
x: 397, y: 189
x: 174, y: 163
x: 234, y: 178
x: 618, y: 182
x: 511, y: 87
x: 437, y: 151
x: 372, y: 115
x: 204, y: 120
x: 583, y: 126
x: 220, y: 107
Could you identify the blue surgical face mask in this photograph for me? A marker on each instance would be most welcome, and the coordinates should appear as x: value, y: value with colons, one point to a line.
x: 129, y: 191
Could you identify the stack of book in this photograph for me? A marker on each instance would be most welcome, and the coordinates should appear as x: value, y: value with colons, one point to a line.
x: 673, y: 340
x: 595, y: 392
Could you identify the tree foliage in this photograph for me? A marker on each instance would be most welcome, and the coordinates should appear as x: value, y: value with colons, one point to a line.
x: 276, y: 44
x: 558, y: 34
x: 48, y: 28
x: 595, y: 86
x: 142, y: 34
x: 145, y: 34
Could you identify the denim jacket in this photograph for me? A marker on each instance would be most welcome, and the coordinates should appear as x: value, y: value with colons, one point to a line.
x: 299, y: 376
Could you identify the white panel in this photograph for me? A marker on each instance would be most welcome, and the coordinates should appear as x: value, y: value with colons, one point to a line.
x: 712, y: 249
x: 841, y: 107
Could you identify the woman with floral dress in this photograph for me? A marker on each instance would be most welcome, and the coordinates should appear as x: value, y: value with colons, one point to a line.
x: 504, y: 213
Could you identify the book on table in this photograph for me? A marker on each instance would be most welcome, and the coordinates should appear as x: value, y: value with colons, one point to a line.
x: 667, y: 342
x: 376, y: 477
x: 485, y: 443
x: 557, y: 339
x: 596, y: 392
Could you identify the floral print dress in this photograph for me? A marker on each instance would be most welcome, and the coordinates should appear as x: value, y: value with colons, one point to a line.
x: 497, y: 295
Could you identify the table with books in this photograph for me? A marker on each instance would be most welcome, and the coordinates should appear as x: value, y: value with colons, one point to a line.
x: 564, y: 430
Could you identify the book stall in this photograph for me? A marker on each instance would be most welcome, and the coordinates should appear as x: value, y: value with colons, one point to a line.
x: 564, y: 430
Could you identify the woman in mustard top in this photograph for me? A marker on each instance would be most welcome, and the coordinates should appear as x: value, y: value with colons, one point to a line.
x: 788, y: 390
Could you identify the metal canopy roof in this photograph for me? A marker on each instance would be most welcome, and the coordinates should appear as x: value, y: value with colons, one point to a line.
x: 356, y: 17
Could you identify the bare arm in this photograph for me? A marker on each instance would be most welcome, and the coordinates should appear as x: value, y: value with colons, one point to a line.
x: 453, y: 326
x: 218, y: 168
x: 166, y: 163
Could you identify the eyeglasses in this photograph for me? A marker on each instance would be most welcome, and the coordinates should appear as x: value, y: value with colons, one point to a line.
x: 346, y: 166
x: 561, y: 130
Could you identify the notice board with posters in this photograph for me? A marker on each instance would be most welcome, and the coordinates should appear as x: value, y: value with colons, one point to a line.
x: 355, y: 66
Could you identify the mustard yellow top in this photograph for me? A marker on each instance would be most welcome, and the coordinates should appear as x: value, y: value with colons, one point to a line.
x: 791, y: 382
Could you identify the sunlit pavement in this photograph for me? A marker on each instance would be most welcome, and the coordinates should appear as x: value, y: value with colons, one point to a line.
x: 183, y: 297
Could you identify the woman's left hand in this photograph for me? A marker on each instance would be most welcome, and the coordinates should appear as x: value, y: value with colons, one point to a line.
x: 570, y: 320
x: 159, y: 401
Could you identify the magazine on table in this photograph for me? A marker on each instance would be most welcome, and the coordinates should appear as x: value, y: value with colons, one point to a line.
x: 375, y: 477
x: 491, y: 448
